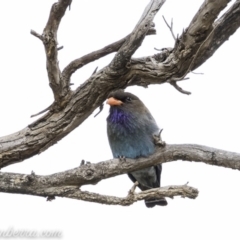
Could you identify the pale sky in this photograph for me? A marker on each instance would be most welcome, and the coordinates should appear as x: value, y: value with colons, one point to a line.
x: 210, y: 116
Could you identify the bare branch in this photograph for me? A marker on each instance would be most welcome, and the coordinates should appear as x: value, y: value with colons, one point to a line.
x: 60, y: 48
x: 36, y: 35
x: 170, y: 28
x: 93, y: 173
x: 224, y: 27
x: 95, y: 70
x: 123, y: 56
x: 59, y: 87
x: 197, y: 73
x: 169, y: 191
x: 187, y: 50
x: 66, y: 183
x: 133, y: 188
x: 175, y: 85
x: 43, y: 111
x: 30, y: 185
x: 198, y: 32
x: 91, y: 57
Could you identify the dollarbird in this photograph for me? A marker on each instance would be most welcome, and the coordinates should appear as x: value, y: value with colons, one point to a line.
x: 130, y: 129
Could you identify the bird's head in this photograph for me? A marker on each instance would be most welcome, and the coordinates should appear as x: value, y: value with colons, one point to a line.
x: 122, y: 100
x: 128, y: 109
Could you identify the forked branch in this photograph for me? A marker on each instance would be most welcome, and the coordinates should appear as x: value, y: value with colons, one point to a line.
x: 59, y: 86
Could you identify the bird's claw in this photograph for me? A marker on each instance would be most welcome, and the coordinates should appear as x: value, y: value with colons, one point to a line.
x: 50, y: 198
x: 158, y: 139
x: 84, y: 163
x: 122, y: 158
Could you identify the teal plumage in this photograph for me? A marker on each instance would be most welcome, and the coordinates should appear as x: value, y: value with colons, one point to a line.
x: 130, y: 129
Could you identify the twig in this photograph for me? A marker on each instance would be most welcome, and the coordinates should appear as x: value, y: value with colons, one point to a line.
x: 170, y: 28
x: 157, y: 138
x: 43, y: 111
x: 174, y: 84
x: 100, y: 109
x: 196, y: 73
x: 70, y: 5
x: 133, y: 188
x: 95, y: 71
x: 60, y: 48
x: 35, y: 34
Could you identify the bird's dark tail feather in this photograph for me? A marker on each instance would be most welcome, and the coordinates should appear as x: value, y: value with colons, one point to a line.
x: 153, y: 202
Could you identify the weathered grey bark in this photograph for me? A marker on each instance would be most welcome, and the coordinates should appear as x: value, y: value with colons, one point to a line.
x: 66, y: 184
x: 198, y: 42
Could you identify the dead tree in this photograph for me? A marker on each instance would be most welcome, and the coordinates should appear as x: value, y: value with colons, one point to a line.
x: 198, y: 42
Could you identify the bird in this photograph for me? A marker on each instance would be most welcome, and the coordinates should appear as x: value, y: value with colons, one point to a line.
x: 130, y: 130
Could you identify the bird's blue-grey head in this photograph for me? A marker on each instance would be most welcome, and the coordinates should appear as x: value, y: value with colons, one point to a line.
x: 130, y: 126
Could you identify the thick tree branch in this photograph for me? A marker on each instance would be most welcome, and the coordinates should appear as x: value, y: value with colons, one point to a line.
x: 183, y: 56
x: 224, y: 27
x: 66, y: 184
x: 93, y: 173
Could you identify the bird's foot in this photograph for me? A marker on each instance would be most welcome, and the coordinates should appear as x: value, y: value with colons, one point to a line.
x: 50, y: 198
x: 122, y: 158
x: 83, y: 163
x: 158, y: 139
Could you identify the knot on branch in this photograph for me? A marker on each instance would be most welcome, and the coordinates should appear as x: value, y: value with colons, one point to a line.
x: 163, y: 55
x: 189, y: 192
x: 88, y: 174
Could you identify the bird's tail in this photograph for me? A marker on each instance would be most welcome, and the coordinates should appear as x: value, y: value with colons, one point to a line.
x: 153, y: 202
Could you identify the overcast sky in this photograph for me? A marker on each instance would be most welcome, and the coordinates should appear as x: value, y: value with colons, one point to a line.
x: 210, y: 116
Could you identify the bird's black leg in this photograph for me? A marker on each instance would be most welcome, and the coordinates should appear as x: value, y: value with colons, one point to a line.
x: 158, y: 139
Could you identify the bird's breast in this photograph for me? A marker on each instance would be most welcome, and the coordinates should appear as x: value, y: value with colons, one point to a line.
x: 128, y: 136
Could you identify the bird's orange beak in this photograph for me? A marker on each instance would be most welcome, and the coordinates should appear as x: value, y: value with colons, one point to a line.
x: 114, y: 102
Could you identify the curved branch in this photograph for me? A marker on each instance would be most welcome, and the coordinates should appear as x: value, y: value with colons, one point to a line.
x: 75, y: 193
x: 94, y: 173
x: 84, y: 60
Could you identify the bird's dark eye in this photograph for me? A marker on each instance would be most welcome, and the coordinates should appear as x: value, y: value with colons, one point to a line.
x: 128, y: 99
